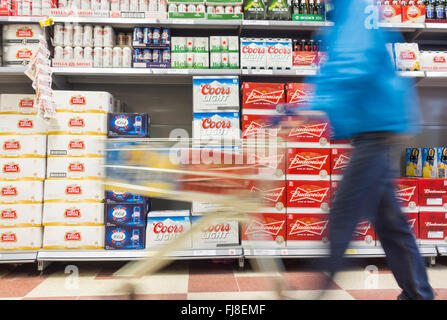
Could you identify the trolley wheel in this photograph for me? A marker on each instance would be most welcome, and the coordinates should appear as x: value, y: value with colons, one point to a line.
x: 241, y: 262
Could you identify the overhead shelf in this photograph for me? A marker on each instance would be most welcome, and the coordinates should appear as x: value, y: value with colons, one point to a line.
x: 18, y: 256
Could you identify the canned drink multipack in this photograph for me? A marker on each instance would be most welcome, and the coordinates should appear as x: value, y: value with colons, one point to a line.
x: 138, y: 35
x: 147, y: 55
x: 87, y: 36
x: 147, y: 35
x: 166, y: 36
x: 156, y: 36
x: 166, y: 58
x: 107, y: 57
x: 156, y: 56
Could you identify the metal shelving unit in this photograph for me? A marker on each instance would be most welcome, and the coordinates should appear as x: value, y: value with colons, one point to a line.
x: 18, y: 256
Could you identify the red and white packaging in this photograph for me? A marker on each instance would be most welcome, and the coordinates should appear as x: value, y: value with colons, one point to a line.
x: 407, y: 193
x: 433, y: 61
x: 413, y: 222
x: 413, y: 13
x: 340, y: 158
x: 272, y: 194
x: 271, y: 165
x: 432, y: 194
x: 263, y: 96
x: 390, y: 13
x: 300, y: 93
x: 279, y: 54
x: 314, y: 132
x: 308, y: 164
x: 259, y: 126
x: 433, y: 227
x: 307, y: 230
x: 253, y: 53
x: 308, y: 196
x: 222, y: 125
x: 305, y: 60
x: 265, y: 230
x: 5, y: 7
x: 217, y: 234
x: 215, y: 93
x: 165, y: 226
x: 364, y: 235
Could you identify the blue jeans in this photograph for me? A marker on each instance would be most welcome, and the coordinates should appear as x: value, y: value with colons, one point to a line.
x: 367, y: 191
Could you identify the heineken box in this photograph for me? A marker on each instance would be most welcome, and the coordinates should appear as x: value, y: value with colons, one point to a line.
x: 308, y: 17
x: 224, y: 16
x: 201, y: 60
x: 224, y: 44
x: 200, y: 44
x: 178, y: 44
x: 178, y: 60
x: 186, y: 15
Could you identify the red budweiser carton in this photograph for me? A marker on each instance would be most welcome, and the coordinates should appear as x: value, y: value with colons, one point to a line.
x: 364, y: 234
x: 265, y: 230
x: 413, y: 222
x: 308, y: 196
x: 340, y: 158
x: 299, y: 93
x: 307, y: 230
x: 413, y: 13
x: 433, y: 227
x: 260, y: 126
x: 272, y: 194
x: 5, y: 7
x: 263, y: 96
x: 308, y: 164
x: 407, y: 194
x: 305, y: 60
x: 314, y: 132
x: 432, y: 194
x: 270, y: 163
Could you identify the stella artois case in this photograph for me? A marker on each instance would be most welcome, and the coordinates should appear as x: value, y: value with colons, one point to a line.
x: 71, y: 190
x: 22, y: 168
x: 79, y: 123
x: 83, y: 101
x: 70, y: 214
x: 17, y: 104
x: 22, y: 124
x: 21, y: 192
x: 21, y: 33
x: 19, y: 239
x: 20, y: 215
x: 75, y: 146
x: 74, y: 237
x: 23, y: 146
x: 18, y: 54
x: 75, y: 168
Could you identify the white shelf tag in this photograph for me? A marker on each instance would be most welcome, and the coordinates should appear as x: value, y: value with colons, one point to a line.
x: 231, y: 252
x: 183, y: 21
x: 205, y: 253
x: 260, y: 71
x: 284, y: 252
x: 263, y: 252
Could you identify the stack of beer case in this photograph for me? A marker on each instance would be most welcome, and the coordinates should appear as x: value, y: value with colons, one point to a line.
x: 125, y: 213
x: 22, y: 162
x: 20, y: 42
x: 73, y: 213
x: 216, y: 116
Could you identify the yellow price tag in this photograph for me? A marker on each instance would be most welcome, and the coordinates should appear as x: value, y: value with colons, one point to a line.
x: 351, y: 251
x: 46, y: 22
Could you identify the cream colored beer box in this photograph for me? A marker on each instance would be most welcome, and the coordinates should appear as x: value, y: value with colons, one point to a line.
x: 19, y: 33
x: 18, y: 103
x: 18, y: 54
x: 66, y: 190
x: 67, y: 214
x: 73, y: 237
x: 82, y: 124
x: 20, y: 215
x: 27, y: 192
x: 12, y: 124
x: 75, y: 168
x: 75, y: 146
x: 20, y: 239
x: 83, y: 101
x: 17, y: 146
x: 22, y: 168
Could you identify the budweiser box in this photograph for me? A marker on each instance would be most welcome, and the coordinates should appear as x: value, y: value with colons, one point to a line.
x: 299, y: 93
x: 18, y: 54
x: 83, y: 101
x: 441, y: 154
x: 125, y: 214
x: 124, y: 197
x: 279, y: 54
x: 313, y: 132
x: 433, y: 61
x: 413, y: 159
x: 75, y: 146
x: 75, y: 168
x: 78, y: 123
x: 433, y: 227
x: 12, y: 124
x: 18, y: 146
x: 135, y: 125
x: 432, y: 193
x: 21, y: 33
x: 219, y: 233
x: 256, y: 95
x: 306, y: 60
x: 364, y: 235
x: 429, y: 163
x: 20, y: 215
x: 308, y: 164
x: 413, y: 13
x: 125, y: 237
x: 259, y: 126
x: 216, y: 125
x: 307, y: 230
x: 215, y: 93
x: 407, y: 193
x: 270, y: 163
x: 253, y: 53
x: 413, y: 222
x: 73, y: 237
x: 308, y: 196
x: 272, y: 194
x: 18, y: 103
x: 66, y: 190
x: 407, y: 56
x: 20, y: 239
x: 21, y: 192
x: 22, y: 168
x: 340, y: 158
x: 390, y: 13
x: 264, y: 230
x: 165, y: 226
x: 73, y: 214
x: 5, y: 7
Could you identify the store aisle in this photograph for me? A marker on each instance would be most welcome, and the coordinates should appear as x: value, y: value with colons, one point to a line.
x: 205, y: 280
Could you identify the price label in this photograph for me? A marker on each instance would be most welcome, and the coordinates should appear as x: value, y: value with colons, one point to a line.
x: 46, y: 22
x: 262, y: 71
x: 205, y: 253
x: 256, y: 22
x: 231, y: 252
x: 284, y: 252
x: 245, y: 71
x: 351, y: 251
x: 263, y: 252
x: 181, y: 21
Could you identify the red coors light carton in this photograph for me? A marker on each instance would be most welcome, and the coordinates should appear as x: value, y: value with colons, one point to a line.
x: 314, y: 132
x: 433, y: 227
x: 265, y: 230
x: 340, y: 158
x: 300, y: 93
x: 407, y: 194
x: 432, y: 194
x: 272, y: 194
x: 308, y: 164
x: 263, y: 96
x: 307, y: 230
x: 259, y: 126
x: 308, y: 196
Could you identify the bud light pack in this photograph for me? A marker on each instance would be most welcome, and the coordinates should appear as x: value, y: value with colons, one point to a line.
x: 125, y: 237
x: 128, y: 125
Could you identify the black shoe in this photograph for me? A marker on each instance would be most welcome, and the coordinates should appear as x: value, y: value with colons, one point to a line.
x: 401, y: 297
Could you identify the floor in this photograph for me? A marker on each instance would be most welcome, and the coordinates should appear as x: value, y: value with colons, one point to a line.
x: 205, y: 279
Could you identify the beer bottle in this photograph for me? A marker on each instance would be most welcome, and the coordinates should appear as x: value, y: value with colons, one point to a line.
x: 303, y: 45
x: 320, y: 46
x: 303, y: 7
x: 312, y: 7
x: 440, y: 10
x: 296, y: 7
x: 320, y: 8
x: 430, y: 9
x: 311, y: 45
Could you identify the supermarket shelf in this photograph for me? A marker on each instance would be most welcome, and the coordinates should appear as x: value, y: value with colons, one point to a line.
x: 284, y: 25
x: 403, y: 27
x: 278, y: 73
x: 412, y: 74
x: 434, y: 79
x: 442, y: 250
x: 18, y: 256
x: 13, y: 75
x: 128, y: 255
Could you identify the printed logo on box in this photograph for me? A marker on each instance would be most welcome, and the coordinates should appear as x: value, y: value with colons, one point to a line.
x: 76, y: 167
x: 24, y: 32
x: 273, y: 97
x: 315, y: 228
x: 9, y: 237
x: 73, y: 189
x: 78, y: 100
x: 72, y: 213
x: 160, y: 227
x: 26, y: 103
x: 24, y: 54
x: 308, y: 193
x: 271, y: 228
x: 76, y: 122
x: 11, y: 145
x: 9, y: 191
x: 119, y: 213
x: 76, y: 145
x: 304, y: 160
x: 11, y: 168
x: 272, y: 195
x: 118, y: 236
x: 73, y: 236
x: 9, y: 214
x: 315, y: 130
x: 25, y: 124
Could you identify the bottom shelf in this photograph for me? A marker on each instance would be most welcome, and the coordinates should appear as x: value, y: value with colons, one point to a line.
x: 18, y: 256
x: 442, y: 250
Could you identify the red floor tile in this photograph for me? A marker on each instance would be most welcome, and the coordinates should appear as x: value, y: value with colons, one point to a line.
x: 18, y: 287
x: 256, y: 283
x: 440, y: 294
x: 308, y: 281
x: 375, y: 294
x: 212, y: 283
